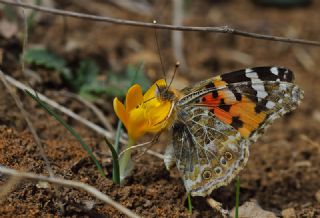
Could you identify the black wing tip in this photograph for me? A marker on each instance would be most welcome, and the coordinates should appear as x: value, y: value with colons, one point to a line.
x: 265, y: 73
x: 283, y: 73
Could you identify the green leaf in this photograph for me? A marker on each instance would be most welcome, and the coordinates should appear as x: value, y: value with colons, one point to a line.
x: 86, y: 74
x: 118, y: 85
x: 115, y: 163
x: 47, y: 59
x: 9, y: 13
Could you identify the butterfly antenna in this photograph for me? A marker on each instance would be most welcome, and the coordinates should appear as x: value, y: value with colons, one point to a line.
x: 159, y: 53
x: 174, y: 74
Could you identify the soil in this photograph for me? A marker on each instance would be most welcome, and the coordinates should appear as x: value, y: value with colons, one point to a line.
x: 283, y: 168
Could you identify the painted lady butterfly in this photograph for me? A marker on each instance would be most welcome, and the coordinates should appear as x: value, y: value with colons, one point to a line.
x: 215, y: 121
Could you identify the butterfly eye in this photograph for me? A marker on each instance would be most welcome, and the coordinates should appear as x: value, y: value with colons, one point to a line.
x: 217, y: 170
x: 223, y: 161
x: 206, y: 174
x: 228, y: 155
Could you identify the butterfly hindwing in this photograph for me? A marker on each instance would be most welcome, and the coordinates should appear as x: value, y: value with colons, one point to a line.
x: 207, y: 151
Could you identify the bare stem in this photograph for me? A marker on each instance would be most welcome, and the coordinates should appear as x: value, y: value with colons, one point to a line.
x: 220, y: 29
x: 125, y: 161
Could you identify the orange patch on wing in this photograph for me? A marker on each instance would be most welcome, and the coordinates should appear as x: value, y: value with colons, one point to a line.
x: 244, y: 132
x: 245, y: 110
x: 222, y: 115
x: 218, y: 83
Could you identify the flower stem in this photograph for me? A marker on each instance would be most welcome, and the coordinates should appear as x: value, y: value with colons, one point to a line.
x: 189, y: 203
x: 126, y: 164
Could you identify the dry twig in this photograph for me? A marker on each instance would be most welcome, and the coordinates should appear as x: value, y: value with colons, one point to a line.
x: 69, y: 183
x: 33, y: 132
x: 8, y: 187
x: 61, y: 108
x: 94, y: 109
x: 221, y: 29
x: 29, y: 123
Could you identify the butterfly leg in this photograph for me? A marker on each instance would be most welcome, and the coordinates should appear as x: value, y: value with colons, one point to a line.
x: 137, y: 146
x: 150, y: 144
x: 218, y: 207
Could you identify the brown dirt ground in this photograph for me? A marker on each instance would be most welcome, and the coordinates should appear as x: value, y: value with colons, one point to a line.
x: 283, y: 169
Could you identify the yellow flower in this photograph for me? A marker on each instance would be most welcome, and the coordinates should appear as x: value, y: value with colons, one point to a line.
x: 143, y: 113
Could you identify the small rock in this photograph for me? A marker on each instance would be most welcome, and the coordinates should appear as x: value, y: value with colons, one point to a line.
x: 289, y: 213
x: 305, y: 163
x: 251, y: 209
x: 318, y: 196
x: 147, y: 203
x: 88, y: 205
x: 42, y: 185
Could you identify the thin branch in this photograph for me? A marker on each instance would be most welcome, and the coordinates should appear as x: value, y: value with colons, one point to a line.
x: 33, y: 132
x: 69, y: 183
x: 70, y: 113
x: 221, y: 29
x: 29, y: 123
x: 94, y: 109
x: 61, y: 108
x: 7, y: 188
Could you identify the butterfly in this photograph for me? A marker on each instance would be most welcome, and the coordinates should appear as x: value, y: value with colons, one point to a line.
x: 215, y: 121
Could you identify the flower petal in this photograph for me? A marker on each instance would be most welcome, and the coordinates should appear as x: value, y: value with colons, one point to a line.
x: 134, y: 97
x: 138, y: 124
x: 120, y: 111
x: 158, y: 115
x: 152, y: 91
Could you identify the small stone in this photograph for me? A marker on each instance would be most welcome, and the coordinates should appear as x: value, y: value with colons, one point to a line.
x: 318, y: 196
x: 289, y: 213
x: 147, y: 203
x: 42, y: 185
x: 252, y: 209
x: 88, y: 205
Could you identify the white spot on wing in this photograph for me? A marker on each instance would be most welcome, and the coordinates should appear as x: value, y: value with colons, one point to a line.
x: 261, y: 93
x: 275, y: 71
x: 252, y: 75
x: 270, y: 104
x: 248, y: 70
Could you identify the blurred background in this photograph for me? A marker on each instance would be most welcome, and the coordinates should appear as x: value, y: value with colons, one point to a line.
x: 66, y: 58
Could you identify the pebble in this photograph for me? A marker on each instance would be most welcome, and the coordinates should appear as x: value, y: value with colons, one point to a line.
x: 251, y: 209
x: 289, y: 213
x: 318, y: 196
